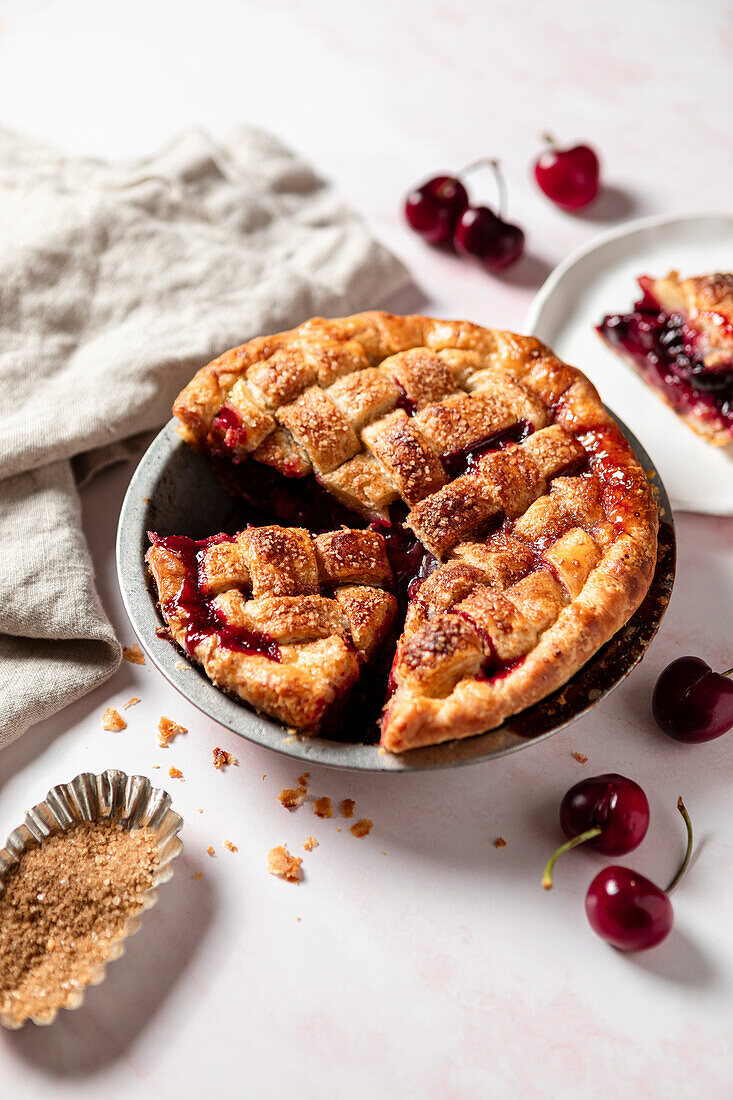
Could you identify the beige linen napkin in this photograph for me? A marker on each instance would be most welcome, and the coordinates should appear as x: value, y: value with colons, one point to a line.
x: 116, y: 282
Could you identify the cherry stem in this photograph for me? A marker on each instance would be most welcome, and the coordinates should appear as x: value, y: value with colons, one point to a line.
x: 727, y: 672
x: 495, y: 165
x: 688, y: 851
x: 576, y: 840
x: 549, y: 139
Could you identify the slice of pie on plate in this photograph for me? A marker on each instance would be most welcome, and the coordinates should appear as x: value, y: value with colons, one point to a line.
x: 451, y: 494
x: 679, y: 337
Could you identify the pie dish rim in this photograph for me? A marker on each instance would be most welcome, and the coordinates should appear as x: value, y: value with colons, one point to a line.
x: 149, y: 480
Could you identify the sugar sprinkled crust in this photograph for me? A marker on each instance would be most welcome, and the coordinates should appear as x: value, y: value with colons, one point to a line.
x: 547, y: 544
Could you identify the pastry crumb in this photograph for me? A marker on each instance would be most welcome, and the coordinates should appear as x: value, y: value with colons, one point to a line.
x: 347, y: 807
x: 362, y: 827
x: 222, y: 758
x: 297, y: 918
x: 198, y: 875
x: 133, y: 654
x: 156, y: 765
x: 230, y: 847
x: 283, y: 865
x: 291, y: 798
x: 322, y: 807
x: 209, y: 851
x: 112, y: 721
x: 303, y: 779
x: 310, y: 843
x: 175, y: 773
x: 131, y: 702
x: 181, y: 666
x: 167, y: 730
x: 500, y: 842
x: 580, y: 757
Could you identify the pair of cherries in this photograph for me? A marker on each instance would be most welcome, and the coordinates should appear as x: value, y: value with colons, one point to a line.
x: 611, y: 814
x: 440, y: 212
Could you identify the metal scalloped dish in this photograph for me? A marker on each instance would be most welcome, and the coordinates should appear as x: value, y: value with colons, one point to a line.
x: 174, y: 491
x: 112, y: 797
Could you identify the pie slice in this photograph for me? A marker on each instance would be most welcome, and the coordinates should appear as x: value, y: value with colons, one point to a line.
x: 455, y: 488
x: 679, y: 338
x: 283, y: 620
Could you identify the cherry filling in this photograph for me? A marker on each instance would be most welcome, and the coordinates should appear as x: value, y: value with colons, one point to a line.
x: 465, y: 458
x: 203, y: 618
x: 228, y: 422
x: 403, y: 401
x: 663, y: 348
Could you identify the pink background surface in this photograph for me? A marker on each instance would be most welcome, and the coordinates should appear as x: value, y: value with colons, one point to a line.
x: 426, y: 962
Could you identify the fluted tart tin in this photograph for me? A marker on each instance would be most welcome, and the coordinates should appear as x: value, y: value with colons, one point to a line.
x: 111, y: 798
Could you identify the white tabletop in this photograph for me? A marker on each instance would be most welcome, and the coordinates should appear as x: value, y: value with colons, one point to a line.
x: 419, y: 961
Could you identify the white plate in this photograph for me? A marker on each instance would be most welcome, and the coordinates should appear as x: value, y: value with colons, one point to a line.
x: 600, y: 278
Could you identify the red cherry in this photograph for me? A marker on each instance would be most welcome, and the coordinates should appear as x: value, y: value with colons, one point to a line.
x: 570, y: 177
x: 611, y: 802
x: 691, y: 702
x: 434, y: 208
x: 608, y: 812
x: 629, y: 910
x: 481, y: 235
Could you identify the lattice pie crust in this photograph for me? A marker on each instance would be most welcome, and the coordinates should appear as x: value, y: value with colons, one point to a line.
x: 534, y: 524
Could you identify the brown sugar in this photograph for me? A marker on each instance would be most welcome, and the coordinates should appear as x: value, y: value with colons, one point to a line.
x: 291, y: 797
x: 362, y: 827
x: 303, y: 779
x: 112, y: 721
x: 230, y: 847
x: 210, y: 851
x: 133, y: 654
x: 281, y: 863
x: 310, y: 843
x: 175, y: 773
x: 222, y: 758
x: 347, y: 807
x: 62, y: 908
x: 322, y: 807
x: 500, y: 842
x: 167, y: 730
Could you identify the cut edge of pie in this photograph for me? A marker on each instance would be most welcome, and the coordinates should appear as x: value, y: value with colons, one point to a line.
x: 534, y: 522
x: 679, y: 339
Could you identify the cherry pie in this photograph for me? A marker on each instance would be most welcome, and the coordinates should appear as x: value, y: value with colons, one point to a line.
x: 447, y: 495
x: 679, y: 338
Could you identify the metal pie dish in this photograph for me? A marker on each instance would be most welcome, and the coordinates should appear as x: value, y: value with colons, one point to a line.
x: 110, y: 797
x: 173, y: 491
